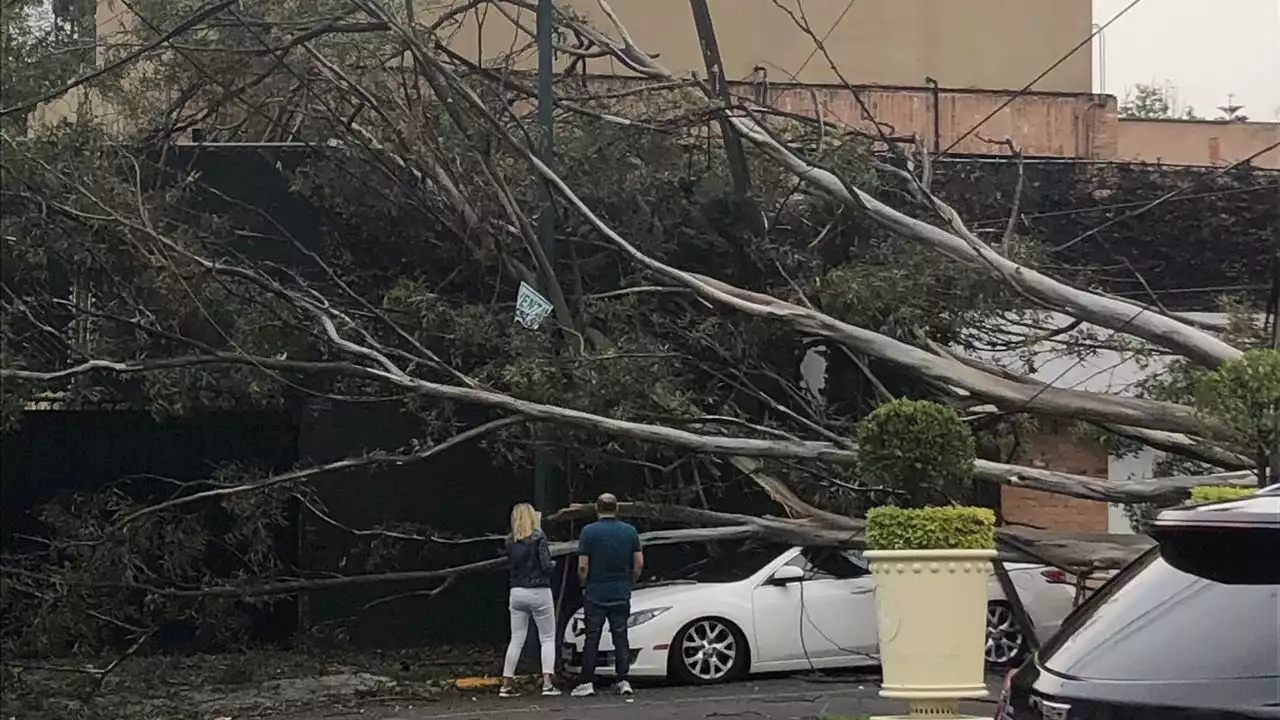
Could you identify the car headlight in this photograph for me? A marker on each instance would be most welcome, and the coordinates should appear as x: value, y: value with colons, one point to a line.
x: 644, y: 616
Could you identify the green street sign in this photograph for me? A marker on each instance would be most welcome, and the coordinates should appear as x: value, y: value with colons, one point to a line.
x: 531, y: 307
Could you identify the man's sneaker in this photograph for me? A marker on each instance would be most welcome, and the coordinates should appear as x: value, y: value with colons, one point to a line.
x: 586, y: 689
x: 624, y: 688
x: 550, y: 691
x: 508, y: 692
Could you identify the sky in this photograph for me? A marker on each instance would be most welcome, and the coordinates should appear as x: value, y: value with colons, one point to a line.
x: 1204, y: 48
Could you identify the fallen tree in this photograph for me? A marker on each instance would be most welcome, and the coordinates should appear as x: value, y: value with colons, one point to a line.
x: 677, y: 332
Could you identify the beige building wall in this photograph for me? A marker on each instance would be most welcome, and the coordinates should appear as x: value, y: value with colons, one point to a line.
x: 109, y: 20
x: 992, y: 44
x: 1039, y: 124
x: 1198, y: 142
x: 1054, y: 125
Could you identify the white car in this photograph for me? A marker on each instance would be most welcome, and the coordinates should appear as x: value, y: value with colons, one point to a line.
x: 761, y: 609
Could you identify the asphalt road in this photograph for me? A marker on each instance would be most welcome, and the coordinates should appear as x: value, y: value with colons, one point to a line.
x: 767, y: 699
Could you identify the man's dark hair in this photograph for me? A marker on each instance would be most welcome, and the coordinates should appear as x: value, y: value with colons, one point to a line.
x: 607, y: 504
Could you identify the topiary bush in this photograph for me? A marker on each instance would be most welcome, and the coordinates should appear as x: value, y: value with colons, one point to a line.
x: 1218, y: 493
x: 920, y: 450
x: 931, y: 528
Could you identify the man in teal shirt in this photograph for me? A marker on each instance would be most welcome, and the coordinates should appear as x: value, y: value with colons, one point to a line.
x: 609, y: 563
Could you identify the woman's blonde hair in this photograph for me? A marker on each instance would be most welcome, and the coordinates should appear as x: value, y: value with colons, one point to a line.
x: 524, y: 520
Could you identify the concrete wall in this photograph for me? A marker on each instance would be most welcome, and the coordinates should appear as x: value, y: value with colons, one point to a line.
x: 1197, y: 142
x: 998, y: 44
x: 110, y: 19
x: 1139, y: 466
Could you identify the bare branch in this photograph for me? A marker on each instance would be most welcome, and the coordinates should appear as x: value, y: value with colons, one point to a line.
x: 307, y: 474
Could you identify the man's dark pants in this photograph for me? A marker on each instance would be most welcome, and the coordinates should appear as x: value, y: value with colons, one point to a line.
x: 596, y: 615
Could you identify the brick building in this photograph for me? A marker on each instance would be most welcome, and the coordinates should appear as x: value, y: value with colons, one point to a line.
x: 1057, y: 448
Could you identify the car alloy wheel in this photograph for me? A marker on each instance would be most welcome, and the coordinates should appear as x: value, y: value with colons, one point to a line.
x: 1005, y: 641
x: 708, y: 651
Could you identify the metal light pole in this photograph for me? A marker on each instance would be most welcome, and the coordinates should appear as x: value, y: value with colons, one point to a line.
x: 546, y: 217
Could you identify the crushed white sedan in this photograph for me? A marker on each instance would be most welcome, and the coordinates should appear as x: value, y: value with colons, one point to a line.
x: 763, y: 608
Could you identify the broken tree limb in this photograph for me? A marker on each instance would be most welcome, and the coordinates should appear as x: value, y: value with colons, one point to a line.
x: 1094, y: 407
x: 1074, y: 552
x: 306, y: 474
x: 1077, y: 553
x: 1101, y: 310
x: 709, y: 444
x: 1123, y: 492
x: 780, y: 493
x: 1127, y: 492
x: 1190, y: 446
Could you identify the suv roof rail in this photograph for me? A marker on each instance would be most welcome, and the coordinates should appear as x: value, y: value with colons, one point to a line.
x: 1260, y: 510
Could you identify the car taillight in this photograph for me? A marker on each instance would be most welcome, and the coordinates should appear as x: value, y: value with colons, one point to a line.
x: 1054, y: 575
x: 1003, y: 711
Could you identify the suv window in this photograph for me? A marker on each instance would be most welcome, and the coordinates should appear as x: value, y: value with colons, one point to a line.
x: 1156, y: 622
x: 830, y: 564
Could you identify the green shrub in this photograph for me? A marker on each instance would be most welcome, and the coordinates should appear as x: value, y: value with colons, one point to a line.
x: 1217, y: 493
x: 1240, y: 402
x: 931, y: 528
x: 918, y: 448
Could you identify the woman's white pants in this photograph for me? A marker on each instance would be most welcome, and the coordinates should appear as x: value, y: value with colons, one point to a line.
x: 538, y: 605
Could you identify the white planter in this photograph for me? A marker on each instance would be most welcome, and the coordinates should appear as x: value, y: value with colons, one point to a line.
x: 931, y: 609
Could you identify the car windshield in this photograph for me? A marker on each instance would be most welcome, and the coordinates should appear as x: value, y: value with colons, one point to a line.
x: 1183, y: 594
x: 732, y: 564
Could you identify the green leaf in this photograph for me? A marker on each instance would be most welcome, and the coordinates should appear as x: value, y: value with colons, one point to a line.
x: 931, y: 528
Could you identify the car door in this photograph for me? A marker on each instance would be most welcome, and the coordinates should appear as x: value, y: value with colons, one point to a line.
x: 776, y: 611
x: 838, y: 608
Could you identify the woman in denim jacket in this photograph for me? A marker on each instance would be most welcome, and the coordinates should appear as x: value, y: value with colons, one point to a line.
x: 529, y: 554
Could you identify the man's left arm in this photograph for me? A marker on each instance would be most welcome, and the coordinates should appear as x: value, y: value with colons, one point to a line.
x: 637, y: 557
x: 584, y: 564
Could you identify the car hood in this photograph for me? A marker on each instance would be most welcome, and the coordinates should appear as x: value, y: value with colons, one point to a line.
x: 664, y: 595
x: 650, y: 596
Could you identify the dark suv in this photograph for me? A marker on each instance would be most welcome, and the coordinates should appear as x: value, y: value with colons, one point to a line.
x: 1188, y: 631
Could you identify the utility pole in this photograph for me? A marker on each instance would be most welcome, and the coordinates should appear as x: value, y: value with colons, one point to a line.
x: 547, y: 215
x: 547, y: 239
x: 720, y: 88
x: 1273, y: 309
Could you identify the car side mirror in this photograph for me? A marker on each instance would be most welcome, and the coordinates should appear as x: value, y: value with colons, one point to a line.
x: 786, y: 575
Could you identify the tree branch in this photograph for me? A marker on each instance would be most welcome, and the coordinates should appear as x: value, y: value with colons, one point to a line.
x: 311, y: 473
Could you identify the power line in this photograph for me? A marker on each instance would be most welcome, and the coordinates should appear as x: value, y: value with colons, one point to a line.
x: 814, y: 53
x: 1040, y: 77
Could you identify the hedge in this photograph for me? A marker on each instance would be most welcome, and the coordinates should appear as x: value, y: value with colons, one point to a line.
x: 1218, y: 493
x: 931, y: 528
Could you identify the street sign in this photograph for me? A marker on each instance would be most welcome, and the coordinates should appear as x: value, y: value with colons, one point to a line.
x: 531, y: 307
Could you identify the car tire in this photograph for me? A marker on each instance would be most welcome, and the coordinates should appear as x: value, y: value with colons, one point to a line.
x: 1006, y: 644
x: 689, y: 663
